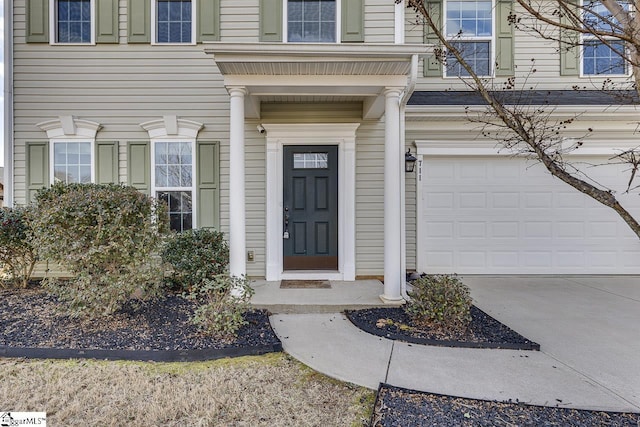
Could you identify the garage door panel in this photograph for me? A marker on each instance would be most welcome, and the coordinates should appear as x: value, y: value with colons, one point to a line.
x: 569, y: 230
x: 472, y: 259
x: 503, y: 260
x: 505, y: 230
x: 472, y: 230
x: 569, y: 259
x: 570, y: 199
x: 473, y: 200
x: 537, y: 230
x: 439, y: 200
x: 499, y: 215
x: 505, y: 200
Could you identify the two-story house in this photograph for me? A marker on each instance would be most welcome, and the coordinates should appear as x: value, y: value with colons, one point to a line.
x: 285, y: 123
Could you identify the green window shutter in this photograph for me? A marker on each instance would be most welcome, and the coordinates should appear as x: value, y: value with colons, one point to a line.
x: 569, y: 50
x: 352, y: 21
x: 208, y: 181
x: 208, y: 26
x: 433, y: 67
x: 107, y: 21
x: 37, y: 21
x: 504, y: 39
x: 139, y: 21
x: 107, y: 162
x: 270, y: 20
x: 139, y: 166
x: 37, y: 167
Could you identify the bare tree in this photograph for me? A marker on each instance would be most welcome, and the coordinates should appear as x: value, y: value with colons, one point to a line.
x: 525, y: 130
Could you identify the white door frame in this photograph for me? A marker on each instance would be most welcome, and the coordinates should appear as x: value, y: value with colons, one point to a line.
x: 344, y: 136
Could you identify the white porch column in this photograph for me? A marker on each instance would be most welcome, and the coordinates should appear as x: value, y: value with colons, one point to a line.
x: 237, y: 221
x: 393, y: 273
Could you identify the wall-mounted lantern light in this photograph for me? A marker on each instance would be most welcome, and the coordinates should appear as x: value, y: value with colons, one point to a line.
x: 409, y: 161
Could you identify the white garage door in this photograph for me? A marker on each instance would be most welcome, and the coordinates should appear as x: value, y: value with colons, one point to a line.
x: 503, y: 215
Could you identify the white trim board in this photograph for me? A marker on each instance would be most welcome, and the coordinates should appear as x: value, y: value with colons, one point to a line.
x: 344, y: 136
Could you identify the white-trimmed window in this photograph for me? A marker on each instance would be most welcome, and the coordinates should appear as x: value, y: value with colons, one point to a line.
x: 602, y: 57
x: 174, y: 21
x: 72, y: 162
x: 469, y: 27
x: 72, y: 21
x: 312, y: 21
x: 173, y: 175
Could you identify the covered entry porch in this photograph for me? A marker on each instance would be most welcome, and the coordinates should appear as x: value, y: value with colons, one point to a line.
x: 379, y: 78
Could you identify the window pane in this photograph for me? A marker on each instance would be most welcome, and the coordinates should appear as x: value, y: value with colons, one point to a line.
x: 598, y: 17
x: 73, y: 21
x: 469, y: 18
x: 173, y: 21
x: 311, y: 21
x: 476, y: 54
x: 180, y: 208
x: 72, y: 162
x: 310, y: 160
x: 173, y: 164
x: 600, y: 58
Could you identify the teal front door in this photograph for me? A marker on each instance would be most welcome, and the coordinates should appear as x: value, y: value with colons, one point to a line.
x: 310, y: 203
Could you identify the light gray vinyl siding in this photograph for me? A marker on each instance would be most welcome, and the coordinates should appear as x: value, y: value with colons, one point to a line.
x: 370, y: 199
x: 379, y: 21
x: 240, y: 20
x: 255, y: 196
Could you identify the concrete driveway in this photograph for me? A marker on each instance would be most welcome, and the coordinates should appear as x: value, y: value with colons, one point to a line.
x: 590, y: 324
x: 588, y: 329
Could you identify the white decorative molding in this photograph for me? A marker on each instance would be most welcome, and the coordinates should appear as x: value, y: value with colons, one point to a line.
x: 70, y: 128
x: 344, y: 136
x: 463, y: 146
x: 171, y: 127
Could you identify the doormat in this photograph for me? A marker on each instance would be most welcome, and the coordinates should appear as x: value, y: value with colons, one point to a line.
x: 305, y: 284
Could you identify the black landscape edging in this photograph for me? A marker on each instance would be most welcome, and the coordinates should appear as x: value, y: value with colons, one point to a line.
x: 504, y: 402
x: 194, y: 355
x: 441, y: 343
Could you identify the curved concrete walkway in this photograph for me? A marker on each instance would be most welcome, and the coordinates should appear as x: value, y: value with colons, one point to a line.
x: 588, y: 329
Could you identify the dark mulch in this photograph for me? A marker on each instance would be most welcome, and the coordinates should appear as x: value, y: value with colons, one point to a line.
x: 396, y: 407
x: 31, y: 318
x: 483, y: 332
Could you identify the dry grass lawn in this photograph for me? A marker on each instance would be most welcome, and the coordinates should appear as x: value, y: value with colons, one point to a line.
x: 270, y: 390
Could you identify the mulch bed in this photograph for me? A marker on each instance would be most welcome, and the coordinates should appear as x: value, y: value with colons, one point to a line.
x: 397, y: 407
x: 483, y: 332
x: 31, y: 325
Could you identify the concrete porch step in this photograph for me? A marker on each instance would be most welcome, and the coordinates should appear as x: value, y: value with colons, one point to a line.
x: 341, y: 296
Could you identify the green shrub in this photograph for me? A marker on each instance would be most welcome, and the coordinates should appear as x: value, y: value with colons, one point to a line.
x: 17, y: 256
x: 440, y: 302
x: 222, y: 300
x: 196, y: 255
x: 105, y: 235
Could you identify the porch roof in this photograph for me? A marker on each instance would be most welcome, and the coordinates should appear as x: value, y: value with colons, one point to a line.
x: 286, y: 72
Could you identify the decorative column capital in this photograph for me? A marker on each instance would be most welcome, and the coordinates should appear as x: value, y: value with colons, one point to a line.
x: 391, y: 92
x: 237, y: 90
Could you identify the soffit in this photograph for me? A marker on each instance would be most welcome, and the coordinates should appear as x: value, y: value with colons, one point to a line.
x: 315, y: 72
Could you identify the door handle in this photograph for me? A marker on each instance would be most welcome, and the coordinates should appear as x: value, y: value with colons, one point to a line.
x: 285, y: 235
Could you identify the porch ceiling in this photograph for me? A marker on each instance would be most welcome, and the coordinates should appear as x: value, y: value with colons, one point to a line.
x: 315, y: 72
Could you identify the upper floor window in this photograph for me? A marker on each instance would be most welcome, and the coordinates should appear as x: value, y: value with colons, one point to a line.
x: 72, y: 162
x: 602, y: 55
x: 312, y: 21
x: 469, y: 27
x: 73, y: 21
x: 174, y: 21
